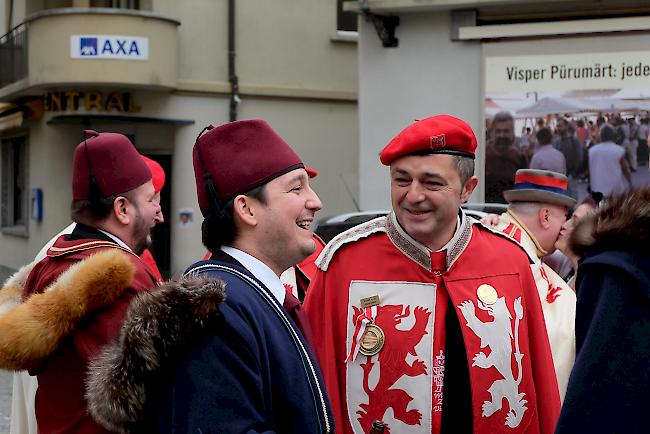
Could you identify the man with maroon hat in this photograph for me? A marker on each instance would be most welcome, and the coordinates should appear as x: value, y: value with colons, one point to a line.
x: 248, y: 368
x: 425, y: 319
x: 23, y: 419
x: 158, y: 180
x: 76, y: 297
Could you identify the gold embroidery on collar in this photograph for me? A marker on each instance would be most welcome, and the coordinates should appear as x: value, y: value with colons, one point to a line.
x: 407, y: 245
x: 420, y: 253
x: 61, y: 251
x: 463, y: 240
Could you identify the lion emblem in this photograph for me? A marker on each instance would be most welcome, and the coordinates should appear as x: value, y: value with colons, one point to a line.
x: 393, y: 366
x: 497, y: 335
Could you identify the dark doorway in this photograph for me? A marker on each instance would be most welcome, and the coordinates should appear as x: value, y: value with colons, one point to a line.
x: 161, y: 233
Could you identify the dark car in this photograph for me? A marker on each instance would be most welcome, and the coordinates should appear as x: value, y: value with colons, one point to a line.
x: 330, y: 227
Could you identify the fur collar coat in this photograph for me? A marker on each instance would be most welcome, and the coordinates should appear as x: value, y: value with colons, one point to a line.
x: 608, y: 388
x: 623, y: 223
x: 160, y: 327
x: 123, y: 377
x: 32, y: 329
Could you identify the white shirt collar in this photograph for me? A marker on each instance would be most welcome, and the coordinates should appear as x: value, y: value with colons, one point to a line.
x: 116, y: 239
x: 260, y: 270
x: 454, y: 238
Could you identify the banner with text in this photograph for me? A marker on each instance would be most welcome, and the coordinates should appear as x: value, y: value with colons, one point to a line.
x: 567, y: 71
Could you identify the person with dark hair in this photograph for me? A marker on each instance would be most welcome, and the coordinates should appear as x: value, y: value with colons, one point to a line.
x: 608, y: 388
x: 418, y: 322
x: 76, y: 297
x: 632, y: 143
x: 595, y: 129
x: 296, y: 279
x: 527, y: 142
x: 24, y: 388
x: 582, y: 133
x: 243, y: 363
x: 502, y: 158
x: 566, y: 142
x: 546, y: 157
x: 609, y: 173
x: 644, y: 132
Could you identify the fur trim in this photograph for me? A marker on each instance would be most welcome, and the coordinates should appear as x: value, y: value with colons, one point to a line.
x: 11, y: 294
x: 353, y: 234
x: 10, y: 297
x: 32, y: 330
x: 622, y: 221
x: 159, y: 327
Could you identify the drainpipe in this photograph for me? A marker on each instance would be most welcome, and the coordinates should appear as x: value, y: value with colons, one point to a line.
x: 232, y: 76
x: 10, y: 16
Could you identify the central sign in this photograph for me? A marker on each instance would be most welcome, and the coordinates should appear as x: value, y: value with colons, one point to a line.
x: 92, y: 100
x: 109, y: 47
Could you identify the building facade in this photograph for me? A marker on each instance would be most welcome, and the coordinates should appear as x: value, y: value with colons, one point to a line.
x: 472, y: 58
x: 159, y: 71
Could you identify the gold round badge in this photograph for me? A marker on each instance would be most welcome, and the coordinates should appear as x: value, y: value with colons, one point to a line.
x: 487, y: 294
x: 372, y: 340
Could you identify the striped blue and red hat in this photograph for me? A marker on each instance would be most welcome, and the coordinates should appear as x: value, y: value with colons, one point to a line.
x: 532, y: 185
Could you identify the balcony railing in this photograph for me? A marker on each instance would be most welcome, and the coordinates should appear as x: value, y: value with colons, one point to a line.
x: 41, y: 52
x: 13, y: 55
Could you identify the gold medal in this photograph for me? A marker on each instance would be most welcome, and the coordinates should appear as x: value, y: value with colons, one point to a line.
x: 487, y: 294
x: 372, y: 341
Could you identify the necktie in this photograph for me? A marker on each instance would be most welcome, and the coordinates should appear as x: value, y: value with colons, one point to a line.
x: 294, y: 307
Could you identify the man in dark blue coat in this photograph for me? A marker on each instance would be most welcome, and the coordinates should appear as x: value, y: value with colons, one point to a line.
x: 254, y: 372
x: 193, y: 361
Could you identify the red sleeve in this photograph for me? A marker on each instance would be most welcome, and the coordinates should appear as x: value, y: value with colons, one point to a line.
x: 103, y: 326
x: 148, y: 259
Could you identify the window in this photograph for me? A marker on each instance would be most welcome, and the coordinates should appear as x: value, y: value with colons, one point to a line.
x: 345, y: 21
x: 14, y: 185
x: 122, y: 4
x: 35, y: 6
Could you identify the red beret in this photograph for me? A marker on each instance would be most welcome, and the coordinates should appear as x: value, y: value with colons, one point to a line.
x: 441, y: 134
x: 239, y: 156
x: 113, y: 161
x: 157, y: 173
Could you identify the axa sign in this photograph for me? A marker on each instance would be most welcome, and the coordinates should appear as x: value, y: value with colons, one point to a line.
x: 109, y: 47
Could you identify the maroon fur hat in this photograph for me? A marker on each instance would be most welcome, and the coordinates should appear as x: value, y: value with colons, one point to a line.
x: 113, y: 163
x: 237, y: 157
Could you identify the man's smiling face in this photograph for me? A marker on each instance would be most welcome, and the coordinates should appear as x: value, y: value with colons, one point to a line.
x: 426, y: 194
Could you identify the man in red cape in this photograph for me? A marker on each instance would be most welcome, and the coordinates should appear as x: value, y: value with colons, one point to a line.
x: 425, y: 319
